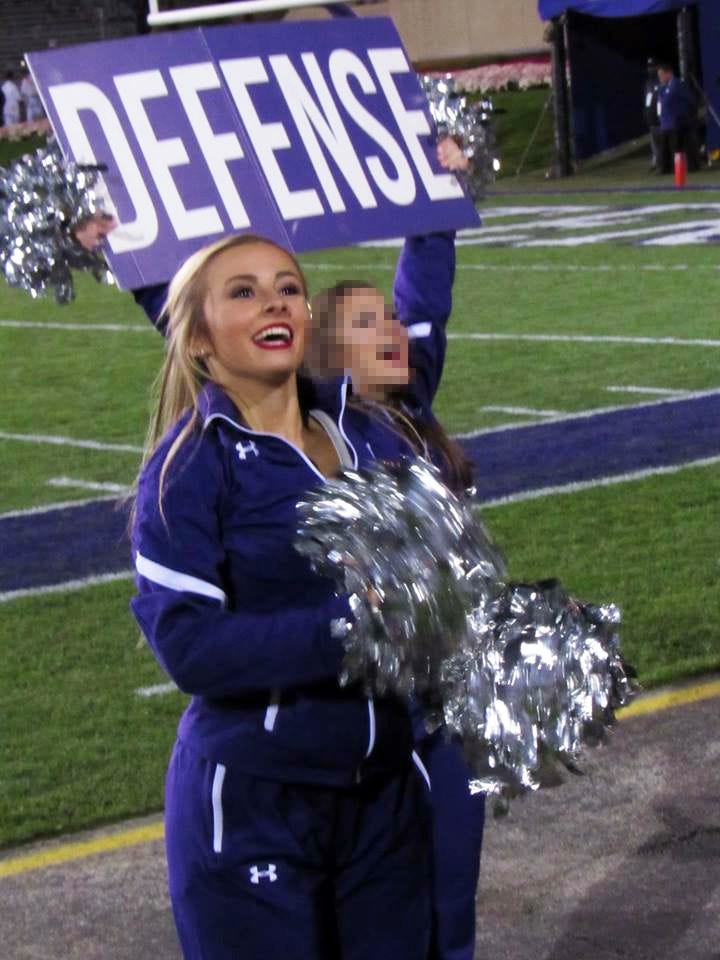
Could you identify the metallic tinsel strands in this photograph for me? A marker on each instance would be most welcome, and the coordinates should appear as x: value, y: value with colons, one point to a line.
x: 521, y: 672
x: 410, y: 552
x: 43, y: 198
x: 541, y: 677
x: 470, y: 124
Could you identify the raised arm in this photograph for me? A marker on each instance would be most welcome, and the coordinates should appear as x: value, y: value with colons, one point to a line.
x: 152, y: 300
x: 422, y: 293
x: 90, y: 235
x: 423, y: 299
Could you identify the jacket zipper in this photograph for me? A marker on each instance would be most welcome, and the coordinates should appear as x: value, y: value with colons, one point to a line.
x: 298, y: 451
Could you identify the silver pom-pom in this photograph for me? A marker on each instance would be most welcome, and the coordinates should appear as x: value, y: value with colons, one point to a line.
x: 541, y: 677
x: 522, y: 673
x: 43, y: 199
x: 414, y: 559
x: 470, y: 124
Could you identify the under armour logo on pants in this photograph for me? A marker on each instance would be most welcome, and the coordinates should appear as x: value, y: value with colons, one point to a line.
x: 256, y: 874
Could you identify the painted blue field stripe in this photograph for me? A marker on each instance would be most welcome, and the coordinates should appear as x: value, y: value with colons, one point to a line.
x: 63, y: 545
x: 90, y: 539
x: 585, y: 448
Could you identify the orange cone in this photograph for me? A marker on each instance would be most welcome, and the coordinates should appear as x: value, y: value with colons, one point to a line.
x: 680, y: 170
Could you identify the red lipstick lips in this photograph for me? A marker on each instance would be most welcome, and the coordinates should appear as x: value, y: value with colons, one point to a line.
x: 275, y: 336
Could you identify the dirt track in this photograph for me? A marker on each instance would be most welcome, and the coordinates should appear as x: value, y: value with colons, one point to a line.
x: 621, y: 862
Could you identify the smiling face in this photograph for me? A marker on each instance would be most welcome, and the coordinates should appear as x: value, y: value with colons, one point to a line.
x: 255, y: 314
x: 372, y: 342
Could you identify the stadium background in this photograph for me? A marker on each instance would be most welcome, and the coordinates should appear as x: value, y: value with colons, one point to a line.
x: 566, y: 303
x: 455, y: 30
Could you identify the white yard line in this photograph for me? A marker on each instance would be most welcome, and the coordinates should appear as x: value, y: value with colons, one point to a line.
x: 157, y: 690
x: 100, y: 486
x: 683, y: 237
x: 586, y: 338
x: 589, y: 220
x: 66, y: 587
x: 599, y: 212
x: 522, y: 411
x: 535, y: 267
x: 659, y: 391
x: 113, y: 327
x: 600, y: 482
x: 70, y: 442
x: 51, y: 507
x: 578, y: 241
x: 493, y: 213
x: 587, y: 414
x: 560, y: 338
x: 508, y: 239
x: 309, y: 267
x: 584, y: 267
x: 528, y: 228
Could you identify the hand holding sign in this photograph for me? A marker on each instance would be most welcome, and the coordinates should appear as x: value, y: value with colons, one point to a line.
x: 45, y: 202
x: 451, y: 156
x: 91, y: 233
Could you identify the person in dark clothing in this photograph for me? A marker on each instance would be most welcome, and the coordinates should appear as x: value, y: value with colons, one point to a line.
x: 395, y: 354
x: 652, y: 114
x: 677, y: 113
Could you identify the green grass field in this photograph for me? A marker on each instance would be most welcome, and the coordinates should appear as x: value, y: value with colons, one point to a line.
x: 79, y: 747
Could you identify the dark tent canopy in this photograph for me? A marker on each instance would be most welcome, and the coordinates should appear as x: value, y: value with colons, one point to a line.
x: 609, y: 8
x: 607, y: 44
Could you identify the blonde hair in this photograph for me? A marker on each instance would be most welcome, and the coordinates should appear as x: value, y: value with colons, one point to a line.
x: 184, y: 372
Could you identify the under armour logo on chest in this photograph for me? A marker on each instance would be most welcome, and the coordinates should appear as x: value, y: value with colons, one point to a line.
x: 256, y: 874
x: 245, y: 449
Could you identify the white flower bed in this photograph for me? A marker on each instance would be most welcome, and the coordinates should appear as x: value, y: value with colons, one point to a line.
x: 518, y: 75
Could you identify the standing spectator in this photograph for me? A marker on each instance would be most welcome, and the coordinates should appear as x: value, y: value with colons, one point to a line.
x: 676, y: 108
x: 31, y: 98
x: 652, y: 114
x: 11, y: 92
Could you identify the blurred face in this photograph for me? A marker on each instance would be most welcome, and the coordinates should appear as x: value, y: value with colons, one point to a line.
x: 664, y: 76
x: 372, y: 341
x: 256, y: 315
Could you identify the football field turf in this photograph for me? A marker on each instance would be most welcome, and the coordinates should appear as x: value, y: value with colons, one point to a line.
x: 551, y: 320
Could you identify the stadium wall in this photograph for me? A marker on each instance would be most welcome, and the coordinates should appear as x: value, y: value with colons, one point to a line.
x: 454, y: 32
x: 458, y: 32
x: 467, y: 30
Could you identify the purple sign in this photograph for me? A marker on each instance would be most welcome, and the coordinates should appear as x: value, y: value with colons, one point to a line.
x: 315, y: 134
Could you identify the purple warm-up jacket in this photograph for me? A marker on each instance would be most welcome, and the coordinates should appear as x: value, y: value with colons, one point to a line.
x: 236, y: 616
